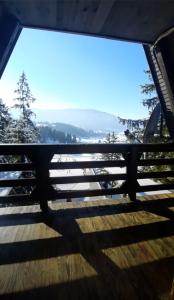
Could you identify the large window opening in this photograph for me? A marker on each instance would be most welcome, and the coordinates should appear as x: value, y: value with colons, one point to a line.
x: 69, y: 89
x: 81, y: 85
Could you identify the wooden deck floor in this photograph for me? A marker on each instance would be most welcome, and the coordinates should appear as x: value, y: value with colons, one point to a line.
x: 93, y: 250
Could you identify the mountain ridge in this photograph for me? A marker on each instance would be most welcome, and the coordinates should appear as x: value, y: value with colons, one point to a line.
x: 87, y: 119
x: 67, y: 128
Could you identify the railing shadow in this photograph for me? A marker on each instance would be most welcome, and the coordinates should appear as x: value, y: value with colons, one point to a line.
x: 159, y: 207
x: 111, y: 281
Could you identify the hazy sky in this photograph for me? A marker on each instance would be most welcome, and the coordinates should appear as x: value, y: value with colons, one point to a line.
x: 74, y: 71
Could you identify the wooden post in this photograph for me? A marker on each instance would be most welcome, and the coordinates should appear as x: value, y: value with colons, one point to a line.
x: 43, y: 190
x: 42, y: 174
x: 172, y: 291
x: 10, y: 30
x: 132, y: 173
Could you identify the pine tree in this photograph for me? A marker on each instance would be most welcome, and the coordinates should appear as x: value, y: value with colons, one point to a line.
x: 5, y: 119
x: 68, y: 138
x: 74, y: 139
x: 149, y: 90
x: 111, y: 138
x: 22, y: 130
x: 137, y: 127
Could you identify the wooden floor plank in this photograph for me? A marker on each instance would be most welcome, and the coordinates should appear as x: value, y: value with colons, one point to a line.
x: 91, y: 250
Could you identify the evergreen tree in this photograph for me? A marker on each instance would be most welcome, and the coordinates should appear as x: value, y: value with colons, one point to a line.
x: 22, y: 130
x: 111, y: 138
x: 68, y: 138
x: 149, y: 90
x: 137, y: 127
x: 5, y: 119
x: 50, y: 135
x: 74, y: 139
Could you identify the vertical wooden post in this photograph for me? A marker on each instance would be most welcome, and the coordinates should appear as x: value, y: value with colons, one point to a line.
x: 43, y: 190
x: 42, y: 175
x: 132, y: 173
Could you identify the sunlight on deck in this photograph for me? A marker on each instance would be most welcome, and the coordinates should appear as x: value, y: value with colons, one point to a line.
x: 94, y: 250
x: 116, y: 221
x: 48, y: 271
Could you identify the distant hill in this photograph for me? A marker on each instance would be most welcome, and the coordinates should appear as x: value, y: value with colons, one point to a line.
x: 87, y: 119
x: 67, y: 128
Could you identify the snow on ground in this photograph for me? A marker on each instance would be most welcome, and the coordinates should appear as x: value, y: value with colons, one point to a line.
x: 76, y: 172
x: 151, y: 182
x: 74, y: 157
x: 8, y: 175
x: 121, y: 137
x: 143, y: 182
x: 96, y: 185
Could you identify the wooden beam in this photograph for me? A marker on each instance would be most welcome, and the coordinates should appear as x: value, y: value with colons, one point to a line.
x: 101, y: 15
x: 160, y: 77
x: 156, y: 162
x: 86, y: 178
x: 30, y: 149
x: 85, y: 164
x: 9, y: 32
x: 155, y: 187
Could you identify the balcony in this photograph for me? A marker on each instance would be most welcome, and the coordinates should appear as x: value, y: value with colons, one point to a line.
x: 104, y: 249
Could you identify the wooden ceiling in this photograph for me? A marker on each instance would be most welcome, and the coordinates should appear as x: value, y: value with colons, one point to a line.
x: 140, y: 21
x: 135, y: 20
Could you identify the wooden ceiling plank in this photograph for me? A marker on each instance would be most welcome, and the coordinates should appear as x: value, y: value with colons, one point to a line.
x: 85, y: 13
x: 132, y: 20
x: 101, y: 15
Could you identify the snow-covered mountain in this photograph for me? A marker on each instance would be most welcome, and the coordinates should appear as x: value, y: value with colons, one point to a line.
x: 87, y: 119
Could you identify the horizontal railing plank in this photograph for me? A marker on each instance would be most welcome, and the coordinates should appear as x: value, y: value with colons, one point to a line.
x: 18, y: 182
x: 89, y: 193
x: 61, y: 180
x: 17, y: 167
x: 161, y: 174
x: 86, y: 178
x: 13, y: 199
x: 155, y: 187
x: 11, y: 149
x: 156, y: 162
x: 4, y: 167
x: 25, y: 149
x: 154, y: 147
x: 86, y: 164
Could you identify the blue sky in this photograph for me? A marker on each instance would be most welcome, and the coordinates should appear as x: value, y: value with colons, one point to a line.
x: 74, y: 71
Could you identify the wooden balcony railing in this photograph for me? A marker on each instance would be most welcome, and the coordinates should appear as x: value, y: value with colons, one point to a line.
x: 40, y: 162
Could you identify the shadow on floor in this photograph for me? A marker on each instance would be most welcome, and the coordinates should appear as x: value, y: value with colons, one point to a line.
x: 142, y: 281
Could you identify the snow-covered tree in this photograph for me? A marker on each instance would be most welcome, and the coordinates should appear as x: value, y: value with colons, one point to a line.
x: 22, y: 130
x: 137, y: 127
x: 111, y: 138
x: 5, y: 119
